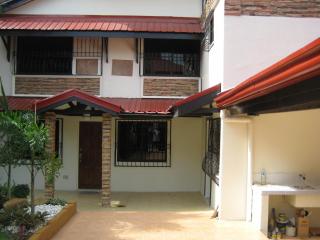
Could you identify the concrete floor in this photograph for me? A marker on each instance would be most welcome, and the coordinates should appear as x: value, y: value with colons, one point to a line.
x: 150, y: 216
x: 148, y: 225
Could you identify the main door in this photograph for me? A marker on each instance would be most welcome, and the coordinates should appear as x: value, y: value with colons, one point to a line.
x: 90, y: 157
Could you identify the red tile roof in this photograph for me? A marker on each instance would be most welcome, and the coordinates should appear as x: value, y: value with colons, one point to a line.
x: 100, y: 23
x: 144, y: 105
x: 127, y: 105
x: 22, y: 103
x: 299, y: 66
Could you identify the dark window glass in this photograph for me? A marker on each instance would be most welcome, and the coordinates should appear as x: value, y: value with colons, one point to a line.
x: 211, y: 30
x: 44, y: 55
x: 141, y: 142
x: 59, y: 138
x: 163, y: 57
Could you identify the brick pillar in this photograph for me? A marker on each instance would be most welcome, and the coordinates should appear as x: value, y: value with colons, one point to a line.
x: 50, y: 122
x: 106, y: 160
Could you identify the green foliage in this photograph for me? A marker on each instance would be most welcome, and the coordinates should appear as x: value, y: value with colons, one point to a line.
x: 3, y: 195
x: 56, y: 201
x: 21, y: 217
x: 21, y: 191
x: 51, y: 168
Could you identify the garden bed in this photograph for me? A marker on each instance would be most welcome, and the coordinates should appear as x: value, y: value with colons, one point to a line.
x: 56, y: 223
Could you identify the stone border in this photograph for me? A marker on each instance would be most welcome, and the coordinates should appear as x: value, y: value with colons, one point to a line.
x: 56, y: 223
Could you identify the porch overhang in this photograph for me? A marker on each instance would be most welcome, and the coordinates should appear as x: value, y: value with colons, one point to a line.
x: 101, y: 26
x: 199, y: 104
x: 293, y: 83
x: 77, y: 102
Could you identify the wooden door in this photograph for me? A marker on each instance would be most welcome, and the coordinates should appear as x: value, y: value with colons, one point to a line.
x: 90, y: 157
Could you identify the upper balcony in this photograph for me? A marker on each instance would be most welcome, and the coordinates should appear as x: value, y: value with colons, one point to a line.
x: 154, y: 59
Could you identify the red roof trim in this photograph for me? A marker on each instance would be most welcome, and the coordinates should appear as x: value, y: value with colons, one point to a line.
x: 41, y: 104
x: 299, y: 66
x: 198, y: 95
x: 100, y: 23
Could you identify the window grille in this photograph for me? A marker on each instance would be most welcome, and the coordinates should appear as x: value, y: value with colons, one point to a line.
x: 211, y: 161
x: 142, y: 143
x: 163, y: 57
x: 59, y: 55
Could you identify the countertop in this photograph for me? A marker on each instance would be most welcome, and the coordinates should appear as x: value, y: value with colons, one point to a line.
x: 283, y: 190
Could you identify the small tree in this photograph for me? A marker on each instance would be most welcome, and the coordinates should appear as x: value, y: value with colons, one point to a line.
x: 36, y: 137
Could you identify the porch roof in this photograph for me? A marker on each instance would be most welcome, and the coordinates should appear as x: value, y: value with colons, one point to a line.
x: 118, y: 105
x: 79, y: 96
x: 68, y: 24
x: 193, y: 105
x: 296, y: 68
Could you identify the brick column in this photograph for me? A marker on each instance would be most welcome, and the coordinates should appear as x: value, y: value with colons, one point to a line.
x: 50, y: 122
x: 106, y: 160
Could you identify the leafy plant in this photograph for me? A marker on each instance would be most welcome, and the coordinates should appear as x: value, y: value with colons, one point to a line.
x: 56, y: 201
x: 21, y: 218
x: 12, y: 145
x: 21, y: 191
x: 51, y: 168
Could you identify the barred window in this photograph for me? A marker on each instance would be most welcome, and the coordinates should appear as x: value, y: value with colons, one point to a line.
x: 143, y: 143
x: 44, y: 55
x: 168, y: 57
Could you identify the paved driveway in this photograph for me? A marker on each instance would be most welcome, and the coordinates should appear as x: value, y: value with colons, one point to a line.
x: 153, y: 225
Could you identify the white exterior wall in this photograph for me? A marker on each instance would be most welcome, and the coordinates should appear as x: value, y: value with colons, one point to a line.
x: 183, y: 175
x: 5, y: 72
x: 212, y: 61
x: 185, y: 172
x: 179, y: 8
x: 286, y: 144
x: 121, y: 86
x: 233, y: 169
x: 254, y: 43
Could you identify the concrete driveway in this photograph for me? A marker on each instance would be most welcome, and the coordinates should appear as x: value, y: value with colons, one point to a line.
x: 142, y: 225
x: 149, y: 216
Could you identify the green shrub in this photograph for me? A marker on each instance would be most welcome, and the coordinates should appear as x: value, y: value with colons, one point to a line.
x: 56, y: 201
x: 21, y: 191
x: 3, y: 195
x: 21, y: 217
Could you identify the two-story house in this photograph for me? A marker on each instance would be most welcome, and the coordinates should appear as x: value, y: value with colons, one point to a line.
x: 128, y: 91
x: 105, y: 76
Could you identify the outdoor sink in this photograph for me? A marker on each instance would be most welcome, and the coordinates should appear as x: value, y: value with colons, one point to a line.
x: 306, y: 196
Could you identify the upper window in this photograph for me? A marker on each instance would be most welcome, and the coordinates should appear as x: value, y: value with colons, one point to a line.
x: 164, y: 57
x: 44, y: 55
x: 142, y: 143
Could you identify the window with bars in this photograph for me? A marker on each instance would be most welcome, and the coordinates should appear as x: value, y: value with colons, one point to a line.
x: 59, y: 56
x: 44, y: 55
x: 168, y: 57
x: 143, y: 143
